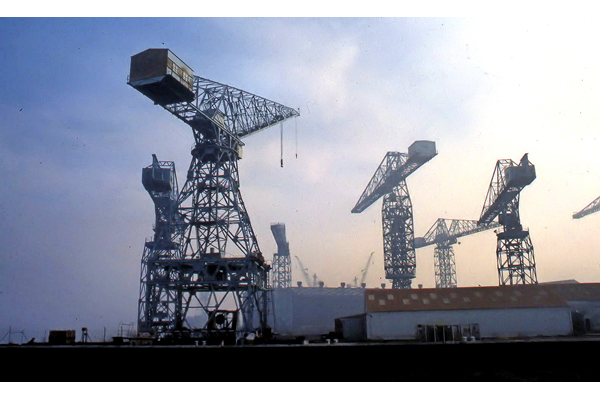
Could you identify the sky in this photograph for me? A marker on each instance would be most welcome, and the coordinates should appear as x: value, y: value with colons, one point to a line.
x: 74, y: 138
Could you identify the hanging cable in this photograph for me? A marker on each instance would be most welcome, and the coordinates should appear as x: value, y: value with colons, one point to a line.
x: 296, y: 133
x: 281, y: 139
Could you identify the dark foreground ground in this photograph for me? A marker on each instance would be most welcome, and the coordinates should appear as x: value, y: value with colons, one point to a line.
x: 547, y: 360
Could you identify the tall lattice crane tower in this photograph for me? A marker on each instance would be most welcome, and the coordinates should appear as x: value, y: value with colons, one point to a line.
x: 514, y: 250
x: 389, y: 182
x: 213, y: 280
x: 160, y: 180
x: 282, y: 262
x: 444, y: 237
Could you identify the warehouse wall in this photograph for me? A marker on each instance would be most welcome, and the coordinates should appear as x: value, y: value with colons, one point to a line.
x: 311, y: 312
x: 493, y: 323
x: 590, y: 311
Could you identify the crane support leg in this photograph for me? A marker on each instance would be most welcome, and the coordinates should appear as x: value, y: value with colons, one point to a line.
x: 398, y: 237
x: 445, y: 266
x: 516, y: 261
x: 214, y: 285
x: 282, y: 271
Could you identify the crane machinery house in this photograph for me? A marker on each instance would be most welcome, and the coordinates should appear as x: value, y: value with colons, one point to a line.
x: 162, y: 76
x: 422, y: 150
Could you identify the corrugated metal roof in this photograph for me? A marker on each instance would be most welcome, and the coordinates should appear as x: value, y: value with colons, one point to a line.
x: 469, y: 298
x: 324, y: 291
x: 576, y: 291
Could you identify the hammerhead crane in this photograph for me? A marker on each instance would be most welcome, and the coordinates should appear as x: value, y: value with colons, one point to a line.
x: 389, y: 182
x: 215, y: 248
x: 305, y: 273
x: 514, y: 251
x: 444, y: 237
x: 363, y: 276
x: 589, y: 209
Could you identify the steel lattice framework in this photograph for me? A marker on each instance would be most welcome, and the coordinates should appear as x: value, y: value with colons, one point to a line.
x: 444, y: 237
x: 282, y: 262
x: 215, y: 283
x: 399, y: 257
x: 160, y: 180
x: 514, y: 250
x: 591, y: 208
x: 389, y: 181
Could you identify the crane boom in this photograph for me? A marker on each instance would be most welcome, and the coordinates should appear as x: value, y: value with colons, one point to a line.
x: 363, y: 272
x: 589, y: 209
x: 304, y: 272
x: 283, y: 247
x: 171, y: 83
x: 394, y: 168
x: 507, y: 182
x: 444, y: 237
x: 440, y: 232
x: 236, y: 111
x: 363, y: 278
x: 514, y: 249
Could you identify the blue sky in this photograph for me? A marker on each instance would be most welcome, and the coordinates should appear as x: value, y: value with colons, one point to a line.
x: 74, y: 137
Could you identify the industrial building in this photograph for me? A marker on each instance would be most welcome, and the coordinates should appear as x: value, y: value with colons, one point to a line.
x: 433, y: 315
x: 310, y: 312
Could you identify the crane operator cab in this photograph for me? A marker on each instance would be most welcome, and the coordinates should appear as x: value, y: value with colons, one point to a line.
x: 520, y: 175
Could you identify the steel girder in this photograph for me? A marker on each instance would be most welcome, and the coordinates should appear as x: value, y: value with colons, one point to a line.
x: 444, y: 237
x: 591, y: 208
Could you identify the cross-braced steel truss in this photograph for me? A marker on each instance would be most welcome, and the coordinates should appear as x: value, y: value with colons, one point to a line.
x: 444, y: 266
x: 444, y: 237
x: 516, y: 261
x: 282, y: 271
x: 282, y: 262
x: 219, y: 254
x: 398, y: 237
